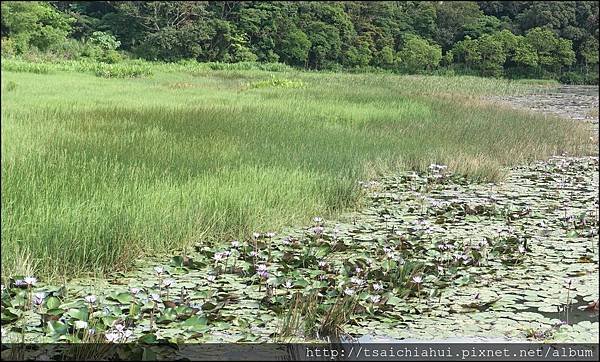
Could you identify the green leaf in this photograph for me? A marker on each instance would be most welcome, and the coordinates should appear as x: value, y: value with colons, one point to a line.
x: 57, y: 327
x: 123, y: 298
x: 52, y: 303
x: 195, y: 321
x: 80, y: 314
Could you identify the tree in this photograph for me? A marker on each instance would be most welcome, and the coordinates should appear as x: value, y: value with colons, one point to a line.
x: 294, y: 46
x: 167, y: 30
x: 492, y: 54
x: 452, y: 18
x: 418, y: 54
x: 325, y: 45
x: 34, y: 24
x: 589, y: 52
x: 553, y: 52
x: 482, y: 26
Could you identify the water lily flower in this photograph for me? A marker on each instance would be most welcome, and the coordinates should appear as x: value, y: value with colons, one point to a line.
x: 358, y: 270
x: 270, y: 234
x: 168, y: 283
x: 219, y: 256
x: 287, y: 240
x: 417, y: 279
x: 112, y: 337
x: 436, y: 167
x: 318, y: 219
x: 522, y: 249
x: 235, y: 244
x: 211, y: 278
x: 155, y: 297
x: 159, y: 270
x: 256, y: 235
x: 253, y: 253
x: 322, y: 264
x: 359, y: 282
x: 30, y: 281
x: 91, y: 299
x: 81, y: 325
x: 119, y: 327
x: 375, y: 298
x: 349, y: 291
x: 38, y: 298
x: 288, y: 284
x: 378, y: 286
x: 261, y: 270
x: 134, y: 290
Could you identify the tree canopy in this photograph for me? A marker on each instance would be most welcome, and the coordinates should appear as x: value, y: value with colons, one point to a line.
x: 492, y: 38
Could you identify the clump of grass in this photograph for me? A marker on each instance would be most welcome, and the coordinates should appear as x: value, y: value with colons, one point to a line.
x: 122, y: 70
x: 308, y: 316
x: 15, y: 65
x: 10, y: 86
x: 274, y: 82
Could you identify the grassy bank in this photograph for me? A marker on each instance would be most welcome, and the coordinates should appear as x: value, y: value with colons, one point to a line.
x: 97, y: 171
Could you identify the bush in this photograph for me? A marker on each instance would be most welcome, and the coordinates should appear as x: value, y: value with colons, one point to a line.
x: 579, y: 78
x: 8, y: 47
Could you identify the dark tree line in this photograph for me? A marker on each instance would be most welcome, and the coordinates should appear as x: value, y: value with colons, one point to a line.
x: 493, y: 38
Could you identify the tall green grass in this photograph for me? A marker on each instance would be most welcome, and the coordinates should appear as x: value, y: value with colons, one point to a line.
x: 96, y: 172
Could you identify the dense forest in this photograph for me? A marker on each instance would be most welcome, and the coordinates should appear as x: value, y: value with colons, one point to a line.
x: 517, y: 39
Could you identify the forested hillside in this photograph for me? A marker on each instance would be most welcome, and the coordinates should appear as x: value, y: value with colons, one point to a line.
x: 545, y: 39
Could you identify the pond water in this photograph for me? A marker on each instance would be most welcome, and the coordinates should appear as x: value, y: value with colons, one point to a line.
x: 575, y: 102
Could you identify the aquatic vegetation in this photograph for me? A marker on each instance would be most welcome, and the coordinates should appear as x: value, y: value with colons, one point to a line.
x: 401, y: 276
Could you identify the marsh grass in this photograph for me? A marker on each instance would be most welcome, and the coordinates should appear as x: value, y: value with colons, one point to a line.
x: 97, y: 172
x: 308, y: 316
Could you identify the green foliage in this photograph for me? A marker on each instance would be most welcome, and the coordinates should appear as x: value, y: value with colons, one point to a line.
x: 102, y: 47
x: 418, y: 55
x: 531, y: 39
x: 552, y: 52
x: 14, y: 65
x: 34, y: 24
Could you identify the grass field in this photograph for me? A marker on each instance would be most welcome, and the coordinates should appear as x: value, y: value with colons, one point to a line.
x: 97, y: 172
